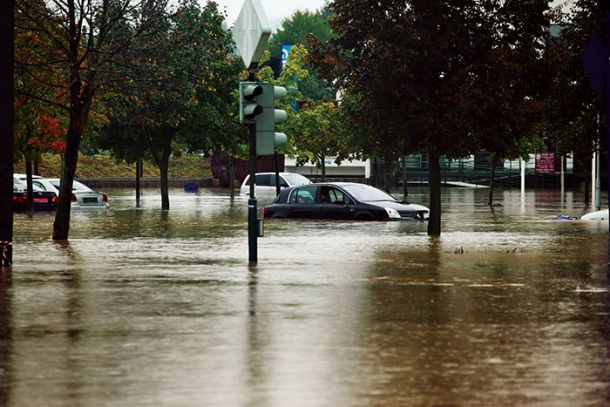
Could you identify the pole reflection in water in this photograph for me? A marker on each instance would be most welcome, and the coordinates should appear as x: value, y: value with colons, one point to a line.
x: 6, y: 337
x: 144, y: 307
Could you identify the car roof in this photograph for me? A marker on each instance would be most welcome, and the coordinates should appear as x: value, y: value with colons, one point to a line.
x: 331, y: 184
x: 273, y: 173
x: 19, y: 175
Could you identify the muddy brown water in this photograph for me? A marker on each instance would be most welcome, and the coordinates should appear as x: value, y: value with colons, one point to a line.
x: 148, y: 308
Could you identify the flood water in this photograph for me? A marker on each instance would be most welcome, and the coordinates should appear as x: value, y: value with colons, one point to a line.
x: 149, y: 308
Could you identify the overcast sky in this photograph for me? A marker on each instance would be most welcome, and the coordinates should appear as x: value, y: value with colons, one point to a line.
x: 276, y: 10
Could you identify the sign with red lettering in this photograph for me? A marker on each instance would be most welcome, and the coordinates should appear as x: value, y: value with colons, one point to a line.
x: 545, y: 163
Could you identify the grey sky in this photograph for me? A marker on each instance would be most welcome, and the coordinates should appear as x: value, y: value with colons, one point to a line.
x: 276, y: 10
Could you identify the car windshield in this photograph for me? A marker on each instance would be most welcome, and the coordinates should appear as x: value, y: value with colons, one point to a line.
x: 76, y: 186
x: 296, y: 179
x: 367, y: 193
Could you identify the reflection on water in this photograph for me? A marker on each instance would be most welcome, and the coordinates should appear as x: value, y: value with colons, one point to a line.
x: 145, y: 307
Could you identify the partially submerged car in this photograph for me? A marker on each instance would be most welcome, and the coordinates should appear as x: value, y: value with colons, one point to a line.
x: 41, y: 200
x: 265, y: 182
x: 342, y: 200
x: 83, y: 196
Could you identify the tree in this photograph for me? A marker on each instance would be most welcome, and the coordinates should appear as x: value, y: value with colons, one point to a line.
x: 295, y: 31
x: 512, y: 77
x: 39, y: 124
x: 88, y: 35
x: 415, y: 68
x: 316, y: 134
x: 184, y: 97
x: 574, y: 111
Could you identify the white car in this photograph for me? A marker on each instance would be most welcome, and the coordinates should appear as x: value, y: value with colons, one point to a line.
x: 38, y: 182
x: 265, y: 182
x: 597, y: 215
x: 83, y: 196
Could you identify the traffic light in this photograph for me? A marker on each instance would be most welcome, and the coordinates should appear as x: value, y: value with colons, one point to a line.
x: 266, y: 137
x: 249, y: 106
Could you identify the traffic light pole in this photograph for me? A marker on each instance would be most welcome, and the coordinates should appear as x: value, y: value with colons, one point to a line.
x: 252, y: 220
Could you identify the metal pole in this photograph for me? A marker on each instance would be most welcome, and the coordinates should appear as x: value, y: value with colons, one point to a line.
x: 252, y: 221
x: 593, y: 178
x: 277, y: 175
x: 7, y: 57
x: 562, y: 181
x: 598, y: 179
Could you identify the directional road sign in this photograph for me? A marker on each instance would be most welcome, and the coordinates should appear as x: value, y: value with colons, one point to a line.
x: 251, y: 32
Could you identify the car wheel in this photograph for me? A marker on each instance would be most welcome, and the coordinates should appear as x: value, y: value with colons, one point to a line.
x: 363, y: 216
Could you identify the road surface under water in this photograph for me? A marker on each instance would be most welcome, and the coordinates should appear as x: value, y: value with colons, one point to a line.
x: 149, y: 308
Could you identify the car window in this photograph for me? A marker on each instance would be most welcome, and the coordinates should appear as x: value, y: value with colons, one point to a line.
x: 367, y: 193
x: 296, y: 179
x: 264, y: 180
x: 305, y: 195
x: 333, y: 196
x: 38, y: 185
x: 337, y: 196
x: 283, y: 183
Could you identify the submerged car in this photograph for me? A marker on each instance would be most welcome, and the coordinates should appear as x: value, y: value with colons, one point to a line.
x: 41, y: 200
x: 39, y: 182
x: 83, y: 196
x: 342, y: 200
x: 265, y: 182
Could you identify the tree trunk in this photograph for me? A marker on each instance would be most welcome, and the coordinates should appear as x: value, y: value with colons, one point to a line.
x: 434, y: 221
x: 588, y: 182
x: 232, y: 177
x: 81, y: 94
x: 405, y: 189
x: 61, y: 226
x: 138, y: 186
x: 492, y: 180
x: 388, y: 174
x: 30, y: 188
x: 168, y: 134
x: 323, y: 161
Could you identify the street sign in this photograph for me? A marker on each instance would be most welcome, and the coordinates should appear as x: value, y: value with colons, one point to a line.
x: 285, y: 52
x: 596, y: 60
x: 251, y: 32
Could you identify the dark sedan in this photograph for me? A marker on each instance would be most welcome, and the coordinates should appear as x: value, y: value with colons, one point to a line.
x: 341, y: 200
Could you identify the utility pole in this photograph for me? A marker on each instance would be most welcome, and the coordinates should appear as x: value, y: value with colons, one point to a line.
x: 7, y: 58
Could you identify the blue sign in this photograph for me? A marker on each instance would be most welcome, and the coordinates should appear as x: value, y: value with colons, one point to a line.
x: 285, y: 52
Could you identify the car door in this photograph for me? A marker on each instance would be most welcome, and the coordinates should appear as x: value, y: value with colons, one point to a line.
x: 302, y: 203
x: 334, y: 203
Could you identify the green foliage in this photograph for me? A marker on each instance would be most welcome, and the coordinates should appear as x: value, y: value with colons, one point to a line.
x: 443, y: 78
x: 296, y: 29
x: 316, y: 133
x: 180, y: 84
